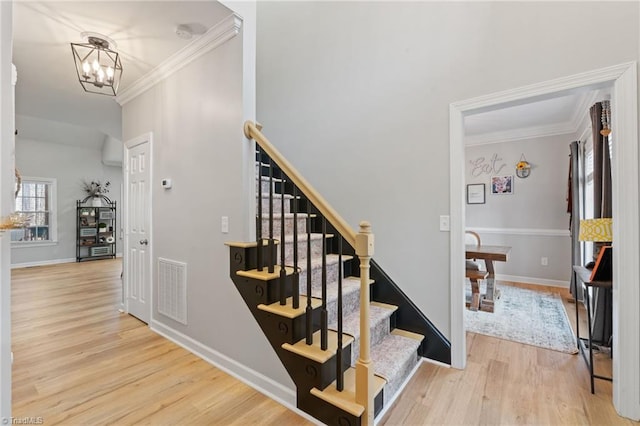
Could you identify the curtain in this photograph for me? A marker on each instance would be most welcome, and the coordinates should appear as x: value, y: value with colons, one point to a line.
x: 601, y: 166
x: 602, y: 315
x: 573, y: 208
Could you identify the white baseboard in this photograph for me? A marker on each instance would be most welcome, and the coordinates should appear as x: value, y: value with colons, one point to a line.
x: 42, y: 263
x: 434, y: 362
x: 252, y: 378
x: 532, y: 280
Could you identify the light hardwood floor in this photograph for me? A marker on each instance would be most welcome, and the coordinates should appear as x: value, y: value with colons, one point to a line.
x: 508, y: 383
x: 79, y: 361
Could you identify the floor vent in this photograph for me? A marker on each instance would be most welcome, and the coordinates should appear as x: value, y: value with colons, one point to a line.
x: 172, y: 289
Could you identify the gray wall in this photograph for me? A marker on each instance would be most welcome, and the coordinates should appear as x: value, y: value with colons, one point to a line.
x: 70, y: 165
x: 196, y: 119
x: 533, y: 220
x: 357, y: 95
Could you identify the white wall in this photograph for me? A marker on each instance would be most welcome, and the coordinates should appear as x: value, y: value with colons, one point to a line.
x: 70, y: 165
x: 533, y: 220
x: 357, y: 95
x: 6, y: 207
x: 196, y: 116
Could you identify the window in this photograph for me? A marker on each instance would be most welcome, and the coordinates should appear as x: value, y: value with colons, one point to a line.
x: 36, y: 199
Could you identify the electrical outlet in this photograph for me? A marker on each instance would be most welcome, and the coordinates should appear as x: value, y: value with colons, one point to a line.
x: 544, y: 261
x: 224, y: 224
x: 444, y: 223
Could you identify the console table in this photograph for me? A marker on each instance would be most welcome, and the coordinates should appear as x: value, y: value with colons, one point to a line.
x: 586, y: 344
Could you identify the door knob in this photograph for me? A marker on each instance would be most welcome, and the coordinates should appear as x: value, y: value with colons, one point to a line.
x: 144, y: 242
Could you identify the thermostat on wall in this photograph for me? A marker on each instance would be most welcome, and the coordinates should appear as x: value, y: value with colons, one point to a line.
x: 166, y: 183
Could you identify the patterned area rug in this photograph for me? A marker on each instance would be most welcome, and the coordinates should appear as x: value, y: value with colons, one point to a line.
x: 526, y: 316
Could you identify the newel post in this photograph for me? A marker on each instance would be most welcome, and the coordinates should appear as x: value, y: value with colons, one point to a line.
x: 364, y: 366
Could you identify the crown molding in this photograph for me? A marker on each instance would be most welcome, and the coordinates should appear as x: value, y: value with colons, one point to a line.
x: 577, y: 123
x: 214, y: 37
x: 537, y: 92
x: 520, y: 134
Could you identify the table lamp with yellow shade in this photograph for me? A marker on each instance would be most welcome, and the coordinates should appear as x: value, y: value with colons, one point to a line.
x: 598, y: 231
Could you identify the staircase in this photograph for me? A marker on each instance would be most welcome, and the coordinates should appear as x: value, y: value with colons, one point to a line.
x: 347, y: 341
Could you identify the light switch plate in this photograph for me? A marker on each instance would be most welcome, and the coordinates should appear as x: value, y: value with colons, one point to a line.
x: 444, y: 223
x: 224, y: 224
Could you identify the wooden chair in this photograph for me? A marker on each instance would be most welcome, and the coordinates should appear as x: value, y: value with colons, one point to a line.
x: 473, y: 272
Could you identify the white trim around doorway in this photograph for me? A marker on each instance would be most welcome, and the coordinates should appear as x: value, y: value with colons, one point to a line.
x: 626, y: 226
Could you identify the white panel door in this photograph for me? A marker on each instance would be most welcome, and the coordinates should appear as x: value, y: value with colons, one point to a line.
x: 137, y: 233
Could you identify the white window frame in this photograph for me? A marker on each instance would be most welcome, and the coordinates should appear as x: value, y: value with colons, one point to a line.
x: 53, y: 214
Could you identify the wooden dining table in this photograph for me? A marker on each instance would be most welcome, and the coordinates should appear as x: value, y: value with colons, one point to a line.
x: 489, y: 254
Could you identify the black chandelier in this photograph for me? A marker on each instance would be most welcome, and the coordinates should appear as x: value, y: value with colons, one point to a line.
x: 98, y: 67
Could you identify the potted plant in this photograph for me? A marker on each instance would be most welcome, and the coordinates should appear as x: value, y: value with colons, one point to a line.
x: 102, y: 227
x: 95, y: 191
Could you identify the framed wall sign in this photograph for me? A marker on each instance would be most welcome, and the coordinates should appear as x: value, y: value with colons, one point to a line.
x: 502, y: 185
x: 475, y: 193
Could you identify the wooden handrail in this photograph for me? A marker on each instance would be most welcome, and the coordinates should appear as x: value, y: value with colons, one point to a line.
x: 252, y: 131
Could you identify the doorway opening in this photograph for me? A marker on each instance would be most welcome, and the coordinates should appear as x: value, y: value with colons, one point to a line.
x: 518, y: 223
x: 625, y: 176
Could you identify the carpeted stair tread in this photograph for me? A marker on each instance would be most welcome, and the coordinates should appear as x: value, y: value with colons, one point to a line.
x: 379, y: 325
x: 266, y: 179
x: 349, y: 285
x: 346, y: 399
x: 316, y: 262
x: 275, y: 197
x: 313, y: 351
x: 302, y: 238
x: 290, y: 215
x: 333, y: 267
x: 393, y: 359
x: 351, y: 320
x: 287, y: 310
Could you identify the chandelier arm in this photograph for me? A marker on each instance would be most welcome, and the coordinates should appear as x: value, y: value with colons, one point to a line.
x: 87, y: 55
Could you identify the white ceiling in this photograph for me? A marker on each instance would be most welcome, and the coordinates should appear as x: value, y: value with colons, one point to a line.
x: 563, y: 114
x: 144, y: 32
